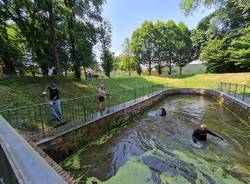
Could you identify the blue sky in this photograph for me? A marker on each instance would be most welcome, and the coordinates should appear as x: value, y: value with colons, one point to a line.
x: 127, y: 15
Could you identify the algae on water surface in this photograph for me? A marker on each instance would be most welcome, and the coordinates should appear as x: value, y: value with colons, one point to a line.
x: 153, y: 149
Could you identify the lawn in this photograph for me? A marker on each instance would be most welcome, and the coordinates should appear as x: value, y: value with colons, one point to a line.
x: 19, y: 91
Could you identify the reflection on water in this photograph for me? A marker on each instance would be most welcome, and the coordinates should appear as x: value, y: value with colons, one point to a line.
x: 154, y: 149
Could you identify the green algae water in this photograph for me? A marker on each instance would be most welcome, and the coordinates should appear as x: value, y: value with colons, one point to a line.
x: 153, y: 149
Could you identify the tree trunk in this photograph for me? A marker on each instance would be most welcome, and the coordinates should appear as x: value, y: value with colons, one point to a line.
x: 170, y: 69
x: 85, y: 72
x: 53, y: 38
x: 149, y: 68
x: 66, y: 72
x: 180, y: 70
x: 129, y: 68
x: 8, y: 68
x: 69, y: 4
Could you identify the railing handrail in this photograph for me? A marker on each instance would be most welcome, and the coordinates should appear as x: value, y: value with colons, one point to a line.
x: 72, y: 99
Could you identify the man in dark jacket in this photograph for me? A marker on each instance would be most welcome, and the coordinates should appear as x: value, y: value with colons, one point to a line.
x: 200, y: 134
x: 54, y: 102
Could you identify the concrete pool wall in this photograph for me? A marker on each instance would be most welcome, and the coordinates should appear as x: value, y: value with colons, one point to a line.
x: 61, y: 144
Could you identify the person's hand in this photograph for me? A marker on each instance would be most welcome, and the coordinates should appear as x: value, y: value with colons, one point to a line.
x: 51, y: 102
x: 194, y: 141
x: 44, y: 93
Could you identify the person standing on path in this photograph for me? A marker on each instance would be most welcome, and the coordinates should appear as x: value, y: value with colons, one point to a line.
x: 54, y: 102
x: 89, y: 71
x: 101, y: 98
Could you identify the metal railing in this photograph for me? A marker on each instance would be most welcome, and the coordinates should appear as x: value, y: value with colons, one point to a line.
x: 35, y: 121
x: 238, y: 91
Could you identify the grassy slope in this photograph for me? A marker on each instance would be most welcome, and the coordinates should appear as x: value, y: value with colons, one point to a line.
x: 187, y: 70
x: 27, y: 90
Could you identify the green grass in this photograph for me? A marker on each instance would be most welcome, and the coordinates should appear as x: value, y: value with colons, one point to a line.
x: 20, y: 91
x: 189, y: 69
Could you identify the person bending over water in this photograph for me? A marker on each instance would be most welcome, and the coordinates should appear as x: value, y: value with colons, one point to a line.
x: 200, y: 134
x: 163, y: 112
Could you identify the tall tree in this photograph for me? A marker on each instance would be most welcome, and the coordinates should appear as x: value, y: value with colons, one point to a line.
x: 169, y: 54
x: 136, y: 49
x: 107, y: 62
x: 184, y: 46
x: 127, y: 59
x: 105, y: 40
x: 147, y: 45
x: 51, y: 21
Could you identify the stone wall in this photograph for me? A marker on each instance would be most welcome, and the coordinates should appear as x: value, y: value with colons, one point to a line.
x: 60, y: 146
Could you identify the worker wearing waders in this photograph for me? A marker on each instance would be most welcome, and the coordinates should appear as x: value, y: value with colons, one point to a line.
x: 200, y: 134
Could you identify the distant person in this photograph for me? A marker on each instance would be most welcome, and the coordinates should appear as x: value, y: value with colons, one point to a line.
x: 50, y: 71
x: 89, y: 72
x: 101, y: 98
x: 54, y: 102
x: 163, y: 112
x: 200, y: 134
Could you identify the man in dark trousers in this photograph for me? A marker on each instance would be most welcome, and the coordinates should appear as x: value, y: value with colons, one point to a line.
x: 54, y: 102
x: 200, y: 134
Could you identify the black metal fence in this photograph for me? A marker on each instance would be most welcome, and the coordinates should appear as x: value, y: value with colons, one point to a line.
x: 35, y: 121
x: 238, y: 91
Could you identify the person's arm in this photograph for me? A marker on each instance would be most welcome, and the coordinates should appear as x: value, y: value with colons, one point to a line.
x: 212, y: 133
x: 45, y: 91
x: 194, y: 137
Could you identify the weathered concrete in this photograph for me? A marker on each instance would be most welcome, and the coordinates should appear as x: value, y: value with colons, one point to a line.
x: 61, y: 144
x: 28, y: 166
x: 239, y: 107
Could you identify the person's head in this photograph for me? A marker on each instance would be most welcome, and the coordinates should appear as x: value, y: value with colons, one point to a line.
x: 163, y: 109
x: 102, y: 86
x: 53, y: 85
x: 203, y: 127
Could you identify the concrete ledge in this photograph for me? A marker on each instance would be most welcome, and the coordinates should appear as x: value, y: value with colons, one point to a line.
x: 28, y: 166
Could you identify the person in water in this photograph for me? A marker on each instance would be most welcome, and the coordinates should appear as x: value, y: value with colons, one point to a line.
x: 200, y: 134
x: 163, y: 112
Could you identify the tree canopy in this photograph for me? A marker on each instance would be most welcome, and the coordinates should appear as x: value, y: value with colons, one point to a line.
x: 40, y: 34
x: 161, y: 44
x: 221, y: 39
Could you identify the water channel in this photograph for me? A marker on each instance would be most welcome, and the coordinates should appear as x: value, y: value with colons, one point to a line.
x: 153, y: 149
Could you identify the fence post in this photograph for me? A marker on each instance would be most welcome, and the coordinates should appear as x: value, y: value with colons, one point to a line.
x: 235, y: 91
x: 108, y: 103
x: 84, y: 114
x: 134, y: 95
x: 40, y: 112
x: 229, y: 88
x: 244, y: 92
x: 123, y: 96
x: 221, y: 86
x: 9, y: 119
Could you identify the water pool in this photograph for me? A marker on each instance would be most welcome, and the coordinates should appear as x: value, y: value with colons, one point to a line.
x: 153, y: 149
